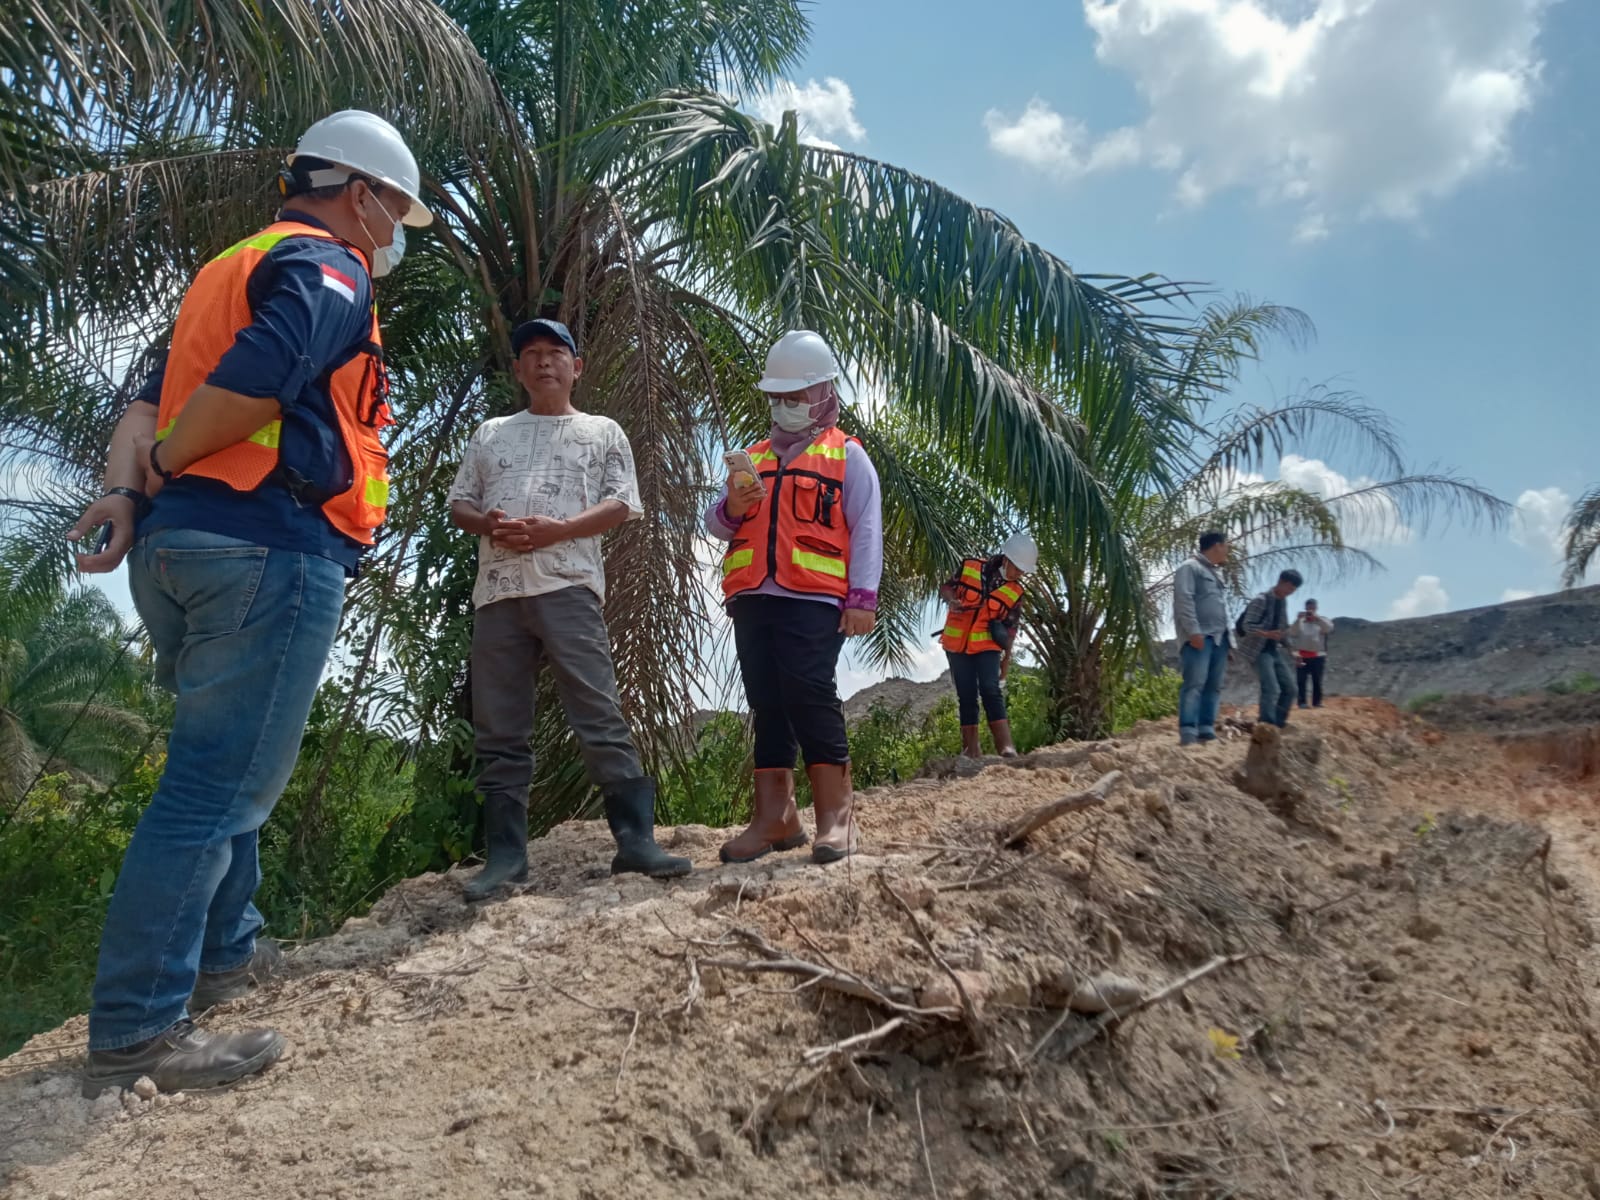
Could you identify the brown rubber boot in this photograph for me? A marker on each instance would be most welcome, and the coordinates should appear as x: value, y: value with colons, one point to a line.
x: 1003, y: 745
x: 832, y: 802
x: 775, y: 825
x: 971, y: 742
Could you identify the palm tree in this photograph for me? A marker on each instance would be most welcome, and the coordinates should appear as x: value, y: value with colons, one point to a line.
x: 1583, y: 538
x: 69, y: 682
x: 1086, y: 642
x: 583, y: 165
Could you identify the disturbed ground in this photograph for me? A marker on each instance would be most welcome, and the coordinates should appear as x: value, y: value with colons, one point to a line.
x: 1354, y: 962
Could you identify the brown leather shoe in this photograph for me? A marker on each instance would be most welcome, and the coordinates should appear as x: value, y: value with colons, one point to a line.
x: 971, y: 742
x: 832, y: 801
x: 775, y: 825
x: 184, y: 1058
x: 1003, y: 745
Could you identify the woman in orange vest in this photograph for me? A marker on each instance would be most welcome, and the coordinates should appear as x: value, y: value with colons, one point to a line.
x: 801, y: 572
x: 983, y: 597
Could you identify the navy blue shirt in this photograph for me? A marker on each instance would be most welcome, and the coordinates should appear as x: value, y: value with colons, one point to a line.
x: 305, y: 324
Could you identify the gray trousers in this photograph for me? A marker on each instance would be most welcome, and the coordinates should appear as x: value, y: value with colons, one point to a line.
x: 510, y: 639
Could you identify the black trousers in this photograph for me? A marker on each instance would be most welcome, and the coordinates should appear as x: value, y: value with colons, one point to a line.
x: 788, y: 657
x: 1311, y: 668
x: 977, y: 675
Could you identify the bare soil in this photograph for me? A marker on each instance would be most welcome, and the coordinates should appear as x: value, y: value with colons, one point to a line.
x: 1402, y: 1008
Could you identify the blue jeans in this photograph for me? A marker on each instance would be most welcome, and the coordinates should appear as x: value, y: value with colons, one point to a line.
x: 1277, y: 687
x: 1201, y: 693
x: 242, y: 634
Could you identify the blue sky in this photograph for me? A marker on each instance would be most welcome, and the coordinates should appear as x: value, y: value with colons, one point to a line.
x: 1418, y: 175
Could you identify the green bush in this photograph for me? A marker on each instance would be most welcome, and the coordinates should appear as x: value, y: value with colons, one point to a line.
x: 1417, y: 703
x: 59, y: 856
x: 1145, y: 696
x: 1580, y: 684
x: 712, y: 786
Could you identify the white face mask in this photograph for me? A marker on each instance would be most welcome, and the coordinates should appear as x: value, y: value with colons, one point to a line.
x: 387, y: 258
x: 792, y: 418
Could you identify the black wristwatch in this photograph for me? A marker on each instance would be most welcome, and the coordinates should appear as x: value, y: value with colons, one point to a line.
x: 156, y: 466
x: 134, y: 494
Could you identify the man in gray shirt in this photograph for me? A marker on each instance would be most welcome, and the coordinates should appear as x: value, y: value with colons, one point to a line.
x: 1200, y: 614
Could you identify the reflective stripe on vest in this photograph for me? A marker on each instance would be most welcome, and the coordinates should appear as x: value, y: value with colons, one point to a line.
x: 798, y: 536
x: 214, y: 310
x: 966, y: 627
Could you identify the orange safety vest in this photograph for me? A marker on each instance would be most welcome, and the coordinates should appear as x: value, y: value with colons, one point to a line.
x: 798, y: 536
x: 214, y: 310
x: 966, y: 628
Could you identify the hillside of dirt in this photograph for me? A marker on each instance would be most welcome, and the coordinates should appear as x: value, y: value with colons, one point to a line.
x: 1356, y: 961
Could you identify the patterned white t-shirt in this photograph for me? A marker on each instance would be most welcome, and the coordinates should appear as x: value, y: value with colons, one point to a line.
x: 532, y: 465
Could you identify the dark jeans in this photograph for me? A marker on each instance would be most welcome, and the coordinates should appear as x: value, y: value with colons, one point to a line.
x: 977, y: 675
x: 510, y: 639
x: 1277, y: 687
x: 1312, y: 669
x: 1201, y: 693
x: 241, y: 633
x: 788, y: 656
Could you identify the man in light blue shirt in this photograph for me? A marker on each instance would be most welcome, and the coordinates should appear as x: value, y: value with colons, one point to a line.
x: 1200, y: 615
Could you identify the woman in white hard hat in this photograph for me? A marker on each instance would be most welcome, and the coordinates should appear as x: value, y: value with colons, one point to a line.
x: 801, y: 572
x: 978, y: 633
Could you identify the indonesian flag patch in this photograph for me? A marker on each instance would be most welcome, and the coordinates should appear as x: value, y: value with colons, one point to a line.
x: 339, y: 282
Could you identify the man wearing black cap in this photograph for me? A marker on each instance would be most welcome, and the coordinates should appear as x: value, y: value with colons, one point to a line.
x: 539, y: 488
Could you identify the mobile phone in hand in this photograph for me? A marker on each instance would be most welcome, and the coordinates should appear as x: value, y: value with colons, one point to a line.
x: 104, y: 538
x: 741, y: 468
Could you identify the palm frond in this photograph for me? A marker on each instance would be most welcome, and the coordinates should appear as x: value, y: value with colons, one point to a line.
x: 1582, y: 538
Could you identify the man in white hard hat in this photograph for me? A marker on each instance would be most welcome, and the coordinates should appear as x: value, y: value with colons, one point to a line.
x: 984, y: 596
x: 801, y: 573
x: 243, y: 485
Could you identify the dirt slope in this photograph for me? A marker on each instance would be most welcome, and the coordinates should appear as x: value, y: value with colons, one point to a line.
x: 1414, y: 1019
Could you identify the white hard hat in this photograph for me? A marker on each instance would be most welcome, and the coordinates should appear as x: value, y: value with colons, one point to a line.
x: 367, y: 144
x: 799, y: 359
x: 1022, y: 551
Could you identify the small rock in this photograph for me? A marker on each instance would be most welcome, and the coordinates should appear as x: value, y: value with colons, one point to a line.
x: 1458, y: 1141
x: 709, y: 1143
x: 1383, y: 973
x: 579, y: 1166
x: 1559, y: 881
x: 145, y: 1088
x: 1424, y: 928
x: 1104, y: 992
x: 937, y: 991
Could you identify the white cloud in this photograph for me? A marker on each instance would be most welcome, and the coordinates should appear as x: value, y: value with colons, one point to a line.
x: 1425, y: 597
x: 1538, y: 523
x: 1337, y: 107
x: 1368, y: 520
x: 1513, y: 594
x: 826, y: 108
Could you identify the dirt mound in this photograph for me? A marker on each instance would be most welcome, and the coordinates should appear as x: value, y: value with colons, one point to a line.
x: 1103, y: 971
x: 1560, y: 731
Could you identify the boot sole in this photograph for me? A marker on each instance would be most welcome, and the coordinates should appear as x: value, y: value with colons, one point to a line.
x: 788, y: 843
x: 830, y: 854
x: 673, y: 872
x: 216, y: 1077
x: 472, y: 895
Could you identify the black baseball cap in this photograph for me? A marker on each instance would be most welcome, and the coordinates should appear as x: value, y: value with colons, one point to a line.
x: 541, y: 327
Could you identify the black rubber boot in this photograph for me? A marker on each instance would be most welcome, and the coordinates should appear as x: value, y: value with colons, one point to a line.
x: 631, y: 813
x: 505, y: 828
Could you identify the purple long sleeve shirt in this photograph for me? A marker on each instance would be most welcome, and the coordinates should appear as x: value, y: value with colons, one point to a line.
x: 863, y: 513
